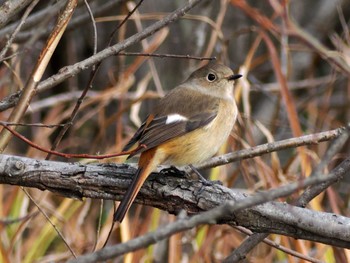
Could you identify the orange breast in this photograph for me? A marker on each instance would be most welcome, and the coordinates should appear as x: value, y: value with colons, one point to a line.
x: 201, y: 144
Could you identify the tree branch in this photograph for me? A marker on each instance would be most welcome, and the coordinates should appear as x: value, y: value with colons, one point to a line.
x: 208, y: 217
x: 173, y: 194
x: 10, y: 8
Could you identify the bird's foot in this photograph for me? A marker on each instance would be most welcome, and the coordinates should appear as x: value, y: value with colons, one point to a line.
x: 202, y: 179
x: 173, y: 171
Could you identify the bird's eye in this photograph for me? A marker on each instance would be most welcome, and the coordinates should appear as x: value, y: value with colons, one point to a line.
x: 211, y: 77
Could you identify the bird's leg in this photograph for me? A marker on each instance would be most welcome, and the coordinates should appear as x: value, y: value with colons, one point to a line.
x: 203, y: 179
x: 173, y: 171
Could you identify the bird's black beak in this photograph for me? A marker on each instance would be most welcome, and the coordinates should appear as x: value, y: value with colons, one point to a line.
x: 233, y: 77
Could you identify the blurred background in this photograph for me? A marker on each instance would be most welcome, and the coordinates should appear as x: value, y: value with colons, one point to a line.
x: 295, y: 58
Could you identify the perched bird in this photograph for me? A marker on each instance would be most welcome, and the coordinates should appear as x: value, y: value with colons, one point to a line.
x: 187, y: 126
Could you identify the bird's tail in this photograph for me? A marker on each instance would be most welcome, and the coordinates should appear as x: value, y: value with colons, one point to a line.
x: 145, y: 168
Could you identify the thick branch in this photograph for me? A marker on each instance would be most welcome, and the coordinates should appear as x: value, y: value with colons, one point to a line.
x: 172, y: 194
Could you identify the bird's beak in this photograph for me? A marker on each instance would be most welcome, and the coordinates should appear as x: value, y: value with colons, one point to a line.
x: 233, y: 77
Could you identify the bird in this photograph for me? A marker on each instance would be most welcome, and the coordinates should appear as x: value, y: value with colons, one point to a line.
x: 186, y: 127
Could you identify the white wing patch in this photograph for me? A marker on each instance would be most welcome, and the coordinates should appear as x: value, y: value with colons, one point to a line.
x: 175, y: 118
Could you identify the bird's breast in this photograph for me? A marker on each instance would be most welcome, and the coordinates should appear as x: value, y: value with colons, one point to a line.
x: 201, y: 144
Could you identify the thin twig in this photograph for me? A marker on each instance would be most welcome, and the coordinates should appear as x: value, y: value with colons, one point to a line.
x: 164, y: 55
x: 129, y: 15
x: 18, y: 219
x: 31, y: 124
x: 272, y: 244
x: 271, y: 147
x: 14, y: 54
x: 50, y: 221
x: 68, y: 155
x: 93, y: 22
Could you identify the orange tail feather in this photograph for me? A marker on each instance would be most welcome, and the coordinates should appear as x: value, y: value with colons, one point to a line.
x: 130, y: 195
x: 146, y: 165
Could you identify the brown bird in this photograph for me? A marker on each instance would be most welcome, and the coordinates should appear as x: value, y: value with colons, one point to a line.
x: 187, y: 126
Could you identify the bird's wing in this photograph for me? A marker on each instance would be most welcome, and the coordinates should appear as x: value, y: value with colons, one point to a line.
x: 138, y: 133
x: 157, y: 130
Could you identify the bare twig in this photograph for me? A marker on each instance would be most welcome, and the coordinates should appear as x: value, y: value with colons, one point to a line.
x: 129, y: 15
x: 147, y: 47
x: 50, y: 221
x: 19, y: 219
x: 268, y: 242
x: 93, y: 22
x: 34, y: 18
x: 308, y: 83
x: 271, y: 147
x: 68, y: 155
x: 245, y: 247
x: 31, y: 124
x: 164, y: 55
x: 218, y: 24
